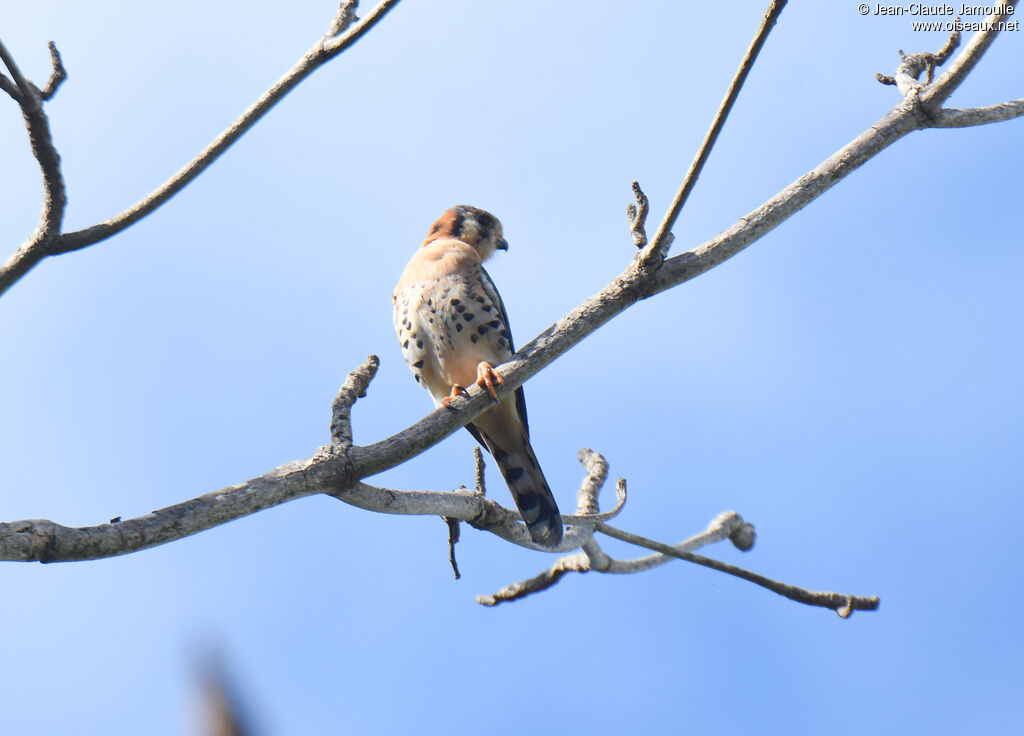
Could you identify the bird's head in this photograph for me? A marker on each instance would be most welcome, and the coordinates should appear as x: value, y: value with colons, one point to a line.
x: 472, y: 226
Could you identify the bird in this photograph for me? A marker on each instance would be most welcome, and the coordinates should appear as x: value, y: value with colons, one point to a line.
x: 453, y: 329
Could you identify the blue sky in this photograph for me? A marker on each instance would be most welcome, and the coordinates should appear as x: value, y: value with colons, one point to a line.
x: 850, y: 384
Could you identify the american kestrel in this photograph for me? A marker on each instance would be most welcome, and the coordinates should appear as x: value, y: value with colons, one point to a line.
x: 453, y: 330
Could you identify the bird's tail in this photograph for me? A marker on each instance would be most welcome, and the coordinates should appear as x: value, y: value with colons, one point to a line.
x: 530, y: 490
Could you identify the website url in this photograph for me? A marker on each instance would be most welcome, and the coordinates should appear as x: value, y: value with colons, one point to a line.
x: 967, y: 26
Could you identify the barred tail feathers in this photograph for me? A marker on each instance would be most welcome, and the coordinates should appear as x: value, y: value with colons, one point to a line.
x: 529, y: 488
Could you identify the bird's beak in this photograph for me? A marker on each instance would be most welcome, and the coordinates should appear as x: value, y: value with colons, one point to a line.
x: 500, y: 244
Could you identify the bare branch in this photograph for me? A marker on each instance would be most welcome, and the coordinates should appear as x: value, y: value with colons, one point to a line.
x: 592, y: 557
x: 345, y: 17
x: 724, y: 526
x: 597, y: 472
x: 656, y: 251
x: 45, y: 541
x: 955, y: 118
x: 40, y: 540
x: 597, y: 557
x: 944, y: 86
x: 330, y: 473
x: 478, y: 471
x: 323, y: 51
x: 463, y: 504
x: 57, y: 75
x: 911, y: 66
x: 10, y: 88
x: 30, y: 100
x: 453, y: 539
x: 570, y: 563
x: 637, y: 214
x: 843, y: 604
x: 26, y: 91
x: 341, y: 410
x: 728, y: 525
x: 49, y: 241
x: 590, y: 519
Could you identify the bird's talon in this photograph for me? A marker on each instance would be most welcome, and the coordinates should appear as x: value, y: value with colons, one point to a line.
x: 457, y: 391
x: 488, y: 378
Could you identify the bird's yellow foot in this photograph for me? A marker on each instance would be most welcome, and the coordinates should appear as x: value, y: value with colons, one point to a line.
x: 457, y: 391
x: 488, y: 378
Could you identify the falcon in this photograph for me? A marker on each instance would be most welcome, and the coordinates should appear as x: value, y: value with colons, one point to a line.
x: 453, y: 329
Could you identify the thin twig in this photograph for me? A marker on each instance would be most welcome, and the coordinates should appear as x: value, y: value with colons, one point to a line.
x: 570, y: 563
x: 637, y: 214
x: 726, y: 525
x: 25, y: 87
x: 478, y: 471
x: 839, y: 602
x: 57, y: 75
x: 937, y: 93
x: 453, y: 539
x: 658, y: 247
x: 341, y: 410
x: 597, y: 471
x: 591, y: 518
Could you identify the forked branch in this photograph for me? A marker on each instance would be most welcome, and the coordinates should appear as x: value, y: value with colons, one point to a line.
x: 49, y: 239
x: 727, y: 525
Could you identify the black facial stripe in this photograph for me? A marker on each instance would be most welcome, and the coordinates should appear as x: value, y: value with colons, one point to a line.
x: 457, y: 222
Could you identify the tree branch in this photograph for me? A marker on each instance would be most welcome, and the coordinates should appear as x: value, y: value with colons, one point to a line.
x: 23, y: 87
x: 911, y: 66
x: 341, y: 410
x: 591, y: 557
x: 965, y: 118
x: 637, y: 214
x: 323, y: 51
x: 659, y: 245
x: 841, y: 603
x: 946, y: 85
x: 727, y: 525
x: 57, y: 75
x: 50, y: 241
x: 9, y: 87
x: 30, y: 99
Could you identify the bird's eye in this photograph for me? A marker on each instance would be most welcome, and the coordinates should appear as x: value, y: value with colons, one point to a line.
x: 485, y: 221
